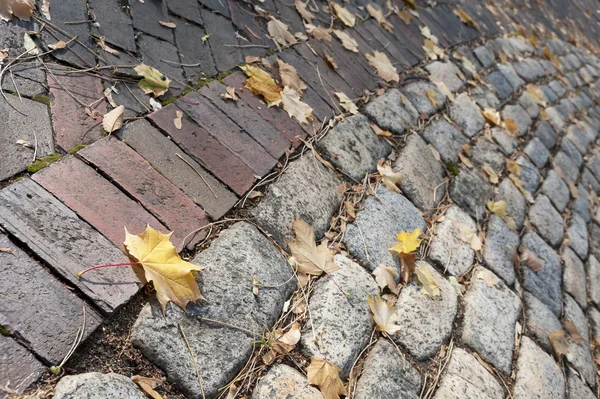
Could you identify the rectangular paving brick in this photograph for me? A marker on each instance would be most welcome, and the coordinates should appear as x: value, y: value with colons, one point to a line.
x: 65, y: 242
x: 146, y: 16
x: 113, y: 23
x: 190, y: 10
x: 38, y: 307
x: 72, y: 125
x: 156, y: 53
x: 380, y: 42
x: 276, y: 116
x: 18, y: 367
x: 227, y: 132
x: 353, y: 61
x: 222, y: 40
x: 157, y: 194
x: 250, y: 26
x: 164, y: 155
x: 252, y: 123
x: 194, y: 52
x: 205, y: 149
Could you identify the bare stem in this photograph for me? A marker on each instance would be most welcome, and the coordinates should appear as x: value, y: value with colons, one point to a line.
x: 81, y: 273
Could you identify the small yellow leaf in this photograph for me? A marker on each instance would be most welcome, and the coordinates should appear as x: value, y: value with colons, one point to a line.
x: 385, y: 276
x: 384, y: 315
x: 432, y: 96
x: 536, y: 93
x: 346, y: 103
x: 384, y: 67
x: 492, y: 175
x: 326, y: 376
x: 497, y: 208
x: 261, y: 83
x: 468, y: 235
x: 407, y: 241
x: 428, y: 284
x: 432, y: 50
x: 377, y: 14
x: 543, y: 115
x: 172, y: 276
x: 310, y: 258
x: 465, y: 18
x: 510, y: 125
x: 411, y: 4
x: 344, y: 15
x: 154, y: 81
x: 295, y: 108
x: 513, y: 167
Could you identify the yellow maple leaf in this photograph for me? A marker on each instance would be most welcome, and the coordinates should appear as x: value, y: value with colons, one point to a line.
x: 261, y: 83
x: 407, y: 242
x: 310, y: 258
x: 172, y: 276
x: 326, y: 376
x: 384, y: 315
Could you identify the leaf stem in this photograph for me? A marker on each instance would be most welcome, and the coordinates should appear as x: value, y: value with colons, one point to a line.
x: 81, y: 273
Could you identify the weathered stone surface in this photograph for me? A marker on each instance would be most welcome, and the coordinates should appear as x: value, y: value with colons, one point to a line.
x: 471, y: 192
x: 529, y: 69
x: 574, y: 276
x: 308, y: 191
x: 466, y: 378
x: 548, y: 94
x: 545, y: 284
x: 467, y: 115
x: 114, y: 24
x: 500, y: 246
x: 345, y: 319
x: 484, y: 97
x: 558, y: 88
x: 422, y: 175
x: 580, y: 138
x: 425, y: 323
x: 528, y: 103
x: 565, y: 167
x: 516, y: 205
x: 589, y: 181
x: 446, y: 139
x: 547, y: 220
x: 387, y: 374
x: 489, y: 319
x: 546, y: 134
x: 594, y: 317
x: 484, y: 56
x: 508, y: 144
x: 284, y: 382
x: 97, y: 386
x: 511, y: 75
x: 146, y: 18
x: 383, y: 216
x: 529, y: 174
x: 66, y: 243
x: 541, y: 322
x: 578, y: 235
x: 538, y: 375
x: 579, y: 355
x: 499, y: 84
x: 19, y: 368
x: 556, y: 190
x: 592, y: 269
x: 50, y: 316
x: 519, y: 116
x: 595, y: 240
x: 417, y: 91
x: 446, y: 249
x: 353, y: 148
x: 537, y: 152
x: 572, y: 152
x: 198, y: 57
x: 238, y: 254
x: 392, y: 111
x: 581, y: 204
x: 555, y: 118
x: 33, y: 126
x: 486, y: 152
x: 447, y: 73
x: 577, y: 388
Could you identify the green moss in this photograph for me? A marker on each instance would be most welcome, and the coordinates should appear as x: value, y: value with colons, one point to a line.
x: 4, y: 331
x: 43, y: 162
x: 223, y: 75
x: 77, y: 148
x: 452, y: 168
x: 171, y: 100
x: 40, y: 98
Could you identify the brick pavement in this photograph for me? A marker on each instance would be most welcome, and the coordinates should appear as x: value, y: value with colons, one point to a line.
x: 71, y: 214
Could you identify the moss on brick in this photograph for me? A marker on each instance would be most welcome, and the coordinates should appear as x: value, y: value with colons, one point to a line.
x: 40, y: 98
x: 171, y: 100
x: 43, y: 162
x: 452, y: 168
x: 77, y: 148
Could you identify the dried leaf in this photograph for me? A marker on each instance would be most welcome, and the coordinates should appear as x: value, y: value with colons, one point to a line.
x: 295, y: 108
x: 384, y: 67
x: 147, y: 385
x: 172, y: 276
x: 113, y: 120
x: 405, y: 16
x: 465, y: 160
x: 326, y: 376
x: 536, y: 93
x: 510, y: 125
x: 492, y: 175
x: 574, y: 333
x: 559, y: 344
x: 29, y: 44
x: 407, y: 241
x: 498, y: 208
x: 229, y: 94
x: 389, y: 178
x: 255, y: 285
x: 377, y: 14
x: 318, y: 32
x: 303, y: 11
x: 21, y: 9
x: 456, y: 285
x: 379, y: 131
x: 467, y: 234
x: 3, y: 54
x: 513, y: 167
x: 573, y: 190
x: 205, y: 38
x: 58, y: 45
x: 154, y: 81
x: 284, y: 343
x: 407, y: 266
x: 384, y: 315
x: 330, y: 60
x: 6, y: 251
x: 426, y: 32
x: 170, y: 25
x: 465, y: 18
x: 344, y: 15
x: 261, y: 83
x: 177, y: 119
x: 428, y: 284
x: 432, y: 96
x: 529, y: 259
x: 45, y: 9
x: 289, y: 77
x: 310, y: 258
x: 411, y: 4
x: 106, y: 47
x: 348, y: 42
x: 279, y: 33
x: 490, y: 279
x: 432, y: 50
x: 385, y: 276
x: 520, y: 184
x: 346, y: 103
x: 251, y: 59
x: 492, y: 116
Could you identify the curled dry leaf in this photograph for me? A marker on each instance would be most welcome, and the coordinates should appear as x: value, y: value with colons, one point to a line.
x: 346, y: 103
x: 147, y: 385
x: 490, y: 279
x: 303, y: 11
x: 326, y: 376
x: 529, y: 259
x: 492, y: 175
x: 177, y: 119
x: 427, y: 282
x: 513, y: 167
x: 172, y: 276
x: 559, y: 343
x: 153, y: 81
x: 229, y: 94
x: 101, y: 42
x: 348, y: 42
x: 113, y: 120
x: 465, y: 160
x: 21, y: 9
x: 498, y: 208
x: 385, y: 276
x: 574, y: 333
x: 58, y: 45
x: 384, y: 315
x: 536, y: 93
x: 432, y: 96
x: 310, y: 258
x: 379, y: 131
x: 384, y: 67
x: 295, y: 108
x: 492, y: 116
x: 377, y: 14
x: 261, y: 83
x: 468, y: 235
x: 432, y: 50
x: 573, y: 190
x: 279, y: 33
x: 520, y: 184
x: 330, y: 60
x: 407, y: 266
x: 465, y: 18
x: 344, y: 15
x: 170, y: 25
x: 6, y: 251
x: 289, y: 77
x: 389, y: 178
x: 318, y: 32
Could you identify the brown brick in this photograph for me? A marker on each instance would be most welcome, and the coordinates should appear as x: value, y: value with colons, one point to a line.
x: 18, y: 368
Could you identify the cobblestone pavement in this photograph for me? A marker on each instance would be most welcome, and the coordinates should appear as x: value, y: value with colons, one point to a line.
x: 509, y: 114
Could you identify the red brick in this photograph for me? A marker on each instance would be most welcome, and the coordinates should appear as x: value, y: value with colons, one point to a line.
x: 157, y: 194
x: 205, y: 149
x: 72, y: 125
x: 276, y: 116
x: 95, y: 199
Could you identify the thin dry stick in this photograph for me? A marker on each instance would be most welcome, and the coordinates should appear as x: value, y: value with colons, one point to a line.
x: 180, y: 64
x: 198, y: 173
x: 208, y: 225
x: 12, y: 78
x: 78, y: 337
x: 245, y: 45
x: 440, y: 370
x: 228, y: 325
x: 193, y: 359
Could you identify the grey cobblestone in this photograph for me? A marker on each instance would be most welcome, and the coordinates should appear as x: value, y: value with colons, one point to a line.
x: 572, y: 152
x: 519, y: 116
x: 592, y: 269
x: 565, y: 167
x: 546, y: 219
x: 447, y: 73
x: 516, y: 205
x: 541, y: 322
x: 511, y: 75
x: 446, y: 139
x: 545, y: 132
x: 97, y: 386
x: 467, y: 115
x: 500, y: 85
x: 486, y: 152
x: 508, y: 144
x: 556, y: 189
x: 538, y: 375
x: 537, y: 152
x: 578, y: 235
x: 577, y: 388
x: 528, y: 103
x: 500, y: 248
x: 417, y: 94
x: 529, y: 174
x: 283, y: 381
x: 471, y: 192
x: 579, y: 355
x: 581, y: 205
x: 392, y: 111
x: 574, y: 276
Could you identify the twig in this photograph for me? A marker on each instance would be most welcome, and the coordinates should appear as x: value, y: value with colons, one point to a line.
x: 193, y: 359
x: 35, y: 145
x: 180, y: 64
x: 208, y: 225
x: 12, y: 78
x: 198, y: 173
x: 78, y: 337
x: 227, y: 325
x: 245, y: 45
